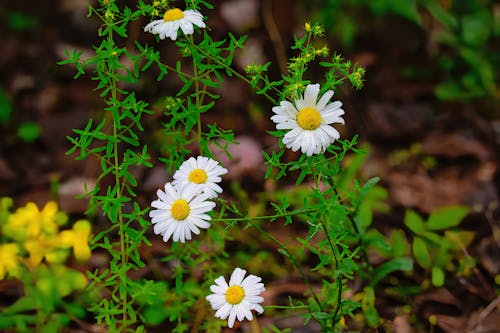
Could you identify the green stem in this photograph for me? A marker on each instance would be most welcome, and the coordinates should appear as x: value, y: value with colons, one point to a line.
x: 338, y: 281
x: 286, y: 307
x: 352, y: 221
x: 116, y: 171
x: 268, y: 217
x: 300, y: 72
x: 197, y: 99
x: 292, y: 259
x: 277, y: 242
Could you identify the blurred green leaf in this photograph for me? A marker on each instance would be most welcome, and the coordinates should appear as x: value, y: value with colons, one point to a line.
x: 372, y: 317
x: 347, y: 30
x: 447, y: 91
x: 19, y: 21
x: 5, y: 107
x: 481, y: 66
x: 55, y: 323
x: 407, y: 9
x: 437, y: 277
x: 29, y: 131
x: 25, y: 303
x: 446, y: 217
x: 397, y: 264
x: 368, y: 306
x: 461, y: 239
x: 154, y: 315
x: 20, y: 322
x: 414, y: 222
x: 441, y: 15
x: 400, y: 245
x: 421, y: 253
x: 443, y: 254
x: 476, y: 28
x: 374, y: 238
x: 372, y: 200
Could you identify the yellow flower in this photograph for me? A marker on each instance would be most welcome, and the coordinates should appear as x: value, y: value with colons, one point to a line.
x: 78, y: 238
x: 29, y: 223
x: 45, y: 247
x: 8, y: 260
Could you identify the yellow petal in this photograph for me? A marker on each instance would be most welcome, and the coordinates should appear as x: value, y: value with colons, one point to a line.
x: 67, y: 238
x: 82, y: 251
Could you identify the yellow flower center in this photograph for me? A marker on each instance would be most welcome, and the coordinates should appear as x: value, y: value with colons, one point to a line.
x: 180, y: 209
x: 173, y: 15
x: 309, y: 119
x: 198, y: 176
x: 234, y: 295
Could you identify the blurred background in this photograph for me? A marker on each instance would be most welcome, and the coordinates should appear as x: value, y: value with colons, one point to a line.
x: 428, y: 115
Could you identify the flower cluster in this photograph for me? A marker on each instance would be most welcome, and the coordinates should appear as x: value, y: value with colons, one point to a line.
x: 181, y: 209
x: 33, y: 237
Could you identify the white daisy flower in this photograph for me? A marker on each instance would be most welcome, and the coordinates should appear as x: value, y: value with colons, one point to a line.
x: 173, y: 20
x: 180, y: 211
x: 308, y: 121
x: 239, y: 298
x: 202, y: 172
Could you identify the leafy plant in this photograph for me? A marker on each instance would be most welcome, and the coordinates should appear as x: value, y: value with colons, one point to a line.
x: 34, y: 251
x: 468, y: 31
x: 435, y: 243
x: 464, y: 38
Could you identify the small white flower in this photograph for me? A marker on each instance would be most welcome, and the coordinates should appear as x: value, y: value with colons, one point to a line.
x: 239, y: 298
x: 308, y: 121
x: 202, y: 172
x: 180, y: 211
x: 173, y: 20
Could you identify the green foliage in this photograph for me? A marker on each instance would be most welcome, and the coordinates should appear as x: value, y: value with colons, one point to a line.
x: 115, y: 140
x: 368, y: 306
x: 446, y: 217
x: 45, y: 305
x: 5, y: 107
x: 342, y: 17
x: 34, y: 252
x: 19, y: 21
x: 434, y: 251
x: 467, y: 30
x: 407, y: 9
x: 421, y: 253
x: 404, y: 264
x: 29, y: 131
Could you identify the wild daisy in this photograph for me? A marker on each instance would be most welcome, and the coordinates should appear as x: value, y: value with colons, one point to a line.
x: 202, y: 172
x: 173, y: 20
x: 309, y: 121
x: 239, y: 298
x: 180, y: 211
